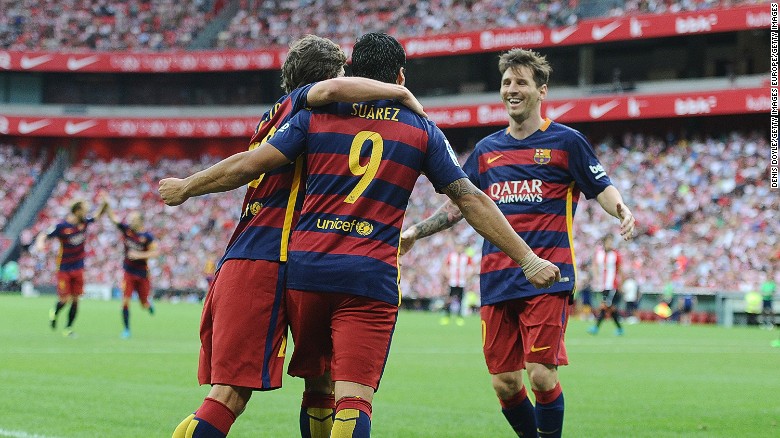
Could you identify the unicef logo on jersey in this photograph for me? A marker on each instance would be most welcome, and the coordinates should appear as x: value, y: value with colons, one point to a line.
x: 363, y: 228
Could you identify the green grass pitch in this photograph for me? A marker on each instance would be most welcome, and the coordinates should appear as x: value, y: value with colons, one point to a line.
x: 659, y: 380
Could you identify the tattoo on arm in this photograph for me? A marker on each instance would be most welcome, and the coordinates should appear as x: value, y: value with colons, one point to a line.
x: 448, y: 214
x: 460, y: 187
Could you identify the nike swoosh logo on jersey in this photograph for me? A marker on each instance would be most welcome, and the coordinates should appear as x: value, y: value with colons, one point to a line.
x: 556, y: 36
x: 599, y: 32
x: 77, y: 64
x: 492, y: 159
x: 28, y: 63
x: 534, y: 349
x: 555, y: 112
x: 597, y: 111
x: 74, y: 128
x: 26, y: 128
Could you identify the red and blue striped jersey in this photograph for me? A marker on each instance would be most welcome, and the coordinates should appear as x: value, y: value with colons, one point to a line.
x: 273, y: 201
x: 536, y: 182
x: 136, y: 242
x: 73, y: 239
x: 363, y: 160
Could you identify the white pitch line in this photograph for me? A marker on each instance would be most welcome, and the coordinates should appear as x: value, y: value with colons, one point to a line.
x: 21, y: 434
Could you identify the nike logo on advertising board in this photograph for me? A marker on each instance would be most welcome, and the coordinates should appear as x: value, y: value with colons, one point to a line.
x: 26, y: 128
x: 77, y: 64
x: 596, y: 111
x: 555, y: 112
x: 599, y: 32
x: 74, y: 128
x: 492, y: 159
x: 28, y: 63
x: 556, y: 35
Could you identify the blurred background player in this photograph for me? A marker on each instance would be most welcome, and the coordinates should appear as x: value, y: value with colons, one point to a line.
x: 534, y: 170
x: 585, y: 294
x: 607, y: 276
x: 768, y: 290
x: 139, y: 247
x: 631, y: 295
x: 685, y: 304
x: 459, y: 269
x: 244, y: 324
x: 72, y: 235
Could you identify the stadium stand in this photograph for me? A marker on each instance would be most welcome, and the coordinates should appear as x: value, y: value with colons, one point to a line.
x: 110, y: 25
x: 106, y: 25
x: 703, y: 205
x: 20, y: 170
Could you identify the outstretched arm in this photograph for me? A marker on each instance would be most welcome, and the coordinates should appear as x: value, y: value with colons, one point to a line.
x: 445, y: 217
x: 482, y: 213
x: 230, y: 173
x: 612, y: 202
x: 150, y: 253
x: 356, y: 89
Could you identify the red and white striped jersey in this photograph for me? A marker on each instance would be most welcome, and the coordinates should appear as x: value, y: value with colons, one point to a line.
x: 607, y: 269
x: 458, y: 267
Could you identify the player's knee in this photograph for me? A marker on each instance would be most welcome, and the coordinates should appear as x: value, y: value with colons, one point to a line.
x: 507, y: 385
x: 543, y: 377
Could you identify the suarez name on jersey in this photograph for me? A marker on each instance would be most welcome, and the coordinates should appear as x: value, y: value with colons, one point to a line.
x: 363, y: 160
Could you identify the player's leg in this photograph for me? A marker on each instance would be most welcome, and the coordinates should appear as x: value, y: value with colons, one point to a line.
x: 362, y: 329
x: 456, y: 306
x: 318, y: 407
x: 76, y: 285
x: 352, y: 418
x: 243, y: 341
x: 543, y: 325
x: 127, y: 294
x: 143, y: 287
x: 63, y: 296
x: 503, y: 349
x: 603, y: 309
x: 309, y: 316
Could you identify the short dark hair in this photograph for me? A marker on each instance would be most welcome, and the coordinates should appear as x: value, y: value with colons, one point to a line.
x: 77, y: 205
x: 521, y: 57
x: 378, y: 56
x: 311, y: 59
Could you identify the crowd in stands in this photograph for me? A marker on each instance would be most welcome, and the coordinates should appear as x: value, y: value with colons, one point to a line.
x: 706, y: 218
x: 105, y: 25
x: 111, y: 25
x: 20, y: 169
x: 190, y: 236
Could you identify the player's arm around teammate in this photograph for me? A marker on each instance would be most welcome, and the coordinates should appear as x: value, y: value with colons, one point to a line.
x: 241, y: 168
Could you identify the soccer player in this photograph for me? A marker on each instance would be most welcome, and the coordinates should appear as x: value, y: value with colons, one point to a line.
x: 458, y: 273
x: 140, y: 246
x: 534, y: 170
x: 607, y: 274
x: 244, y: 326
x: 362, y: 162
x: 72, y: 234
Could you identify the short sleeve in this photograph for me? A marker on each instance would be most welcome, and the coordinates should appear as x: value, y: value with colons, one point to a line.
x: 471, y: 167
x: 440, y: 164
x: 298, y: 97
x: 588, y: 173
x: 290, y: 138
